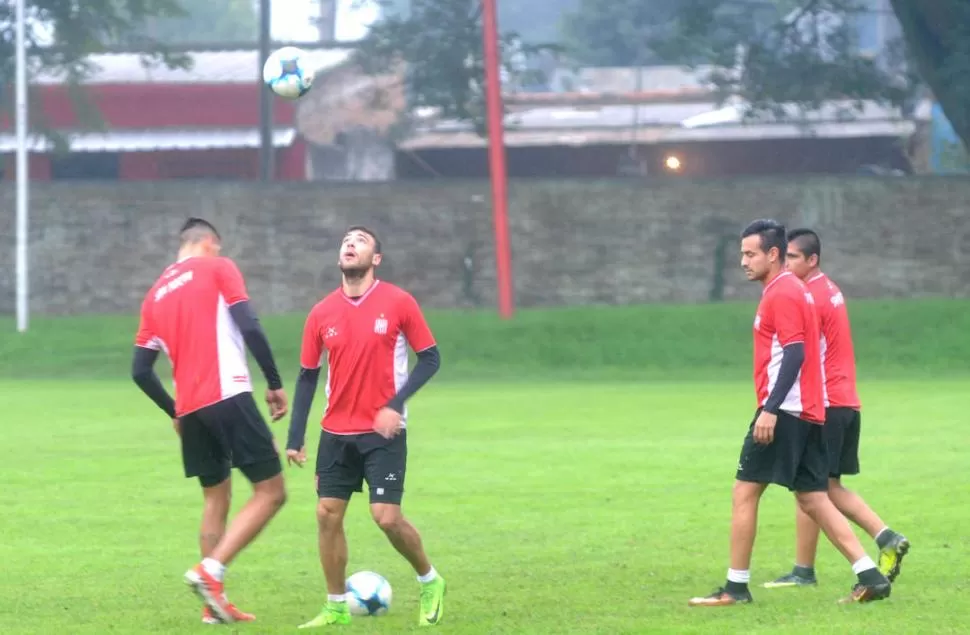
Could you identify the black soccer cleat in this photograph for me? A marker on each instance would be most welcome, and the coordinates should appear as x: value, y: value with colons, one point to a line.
x: 723, y: 597
x: 791, y: 580
x: 868, y: 593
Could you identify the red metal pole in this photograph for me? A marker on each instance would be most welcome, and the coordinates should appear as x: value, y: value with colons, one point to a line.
x: 496, y: 155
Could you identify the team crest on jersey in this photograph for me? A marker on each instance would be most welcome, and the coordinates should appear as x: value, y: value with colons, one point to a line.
x: 331, y: 332
x: 380, y: 325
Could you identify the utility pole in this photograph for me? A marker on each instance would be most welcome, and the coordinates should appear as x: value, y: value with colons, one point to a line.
x: 266, y: 149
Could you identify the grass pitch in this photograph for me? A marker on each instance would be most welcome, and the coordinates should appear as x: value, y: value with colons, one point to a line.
x: 590, y: 507
x: 570, y: 472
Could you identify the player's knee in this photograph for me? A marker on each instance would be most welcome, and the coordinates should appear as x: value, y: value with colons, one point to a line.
x: 280, y: 495
x: 273, y: 490
x: 387, y: 517
x: 219, y: 505
x: 330, y: 513
x: 745, y: 493
x: 811, y: 502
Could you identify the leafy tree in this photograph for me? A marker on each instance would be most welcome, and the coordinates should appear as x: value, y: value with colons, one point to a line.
x: 60, y: 36
x: 938, y: 37
x: 627, y: 32
x: 437, y: 45
x: 812, y: 54
x: 534, y: 21
x: 616, y: 32
x: 207, y: 21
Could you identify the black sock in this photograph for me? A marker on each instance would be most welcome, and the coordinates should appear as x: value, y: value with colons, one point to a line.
x: 871, y: 577
x: 885, y: 538
x: 736, y: 588
x: 804, y: 572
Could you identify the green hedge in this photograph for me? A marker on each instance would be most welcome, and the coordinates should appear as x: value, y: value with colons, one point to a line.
x: 894, y: 339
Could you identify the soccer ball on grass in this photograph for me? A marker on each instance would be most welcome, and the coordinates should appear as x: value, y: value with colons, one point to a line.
x: 288, y: 73
x: 368, y: 593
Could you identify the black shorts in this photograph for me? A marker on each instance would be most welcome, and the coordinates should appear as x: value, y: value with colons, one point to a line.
x: 227, y: 434
x: 345, y: 461
x: 795, y: 459
x: 842, y: 429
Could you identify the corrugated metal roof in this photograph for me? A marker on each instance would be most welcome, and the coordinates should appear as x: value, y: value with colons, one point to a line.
x: 217, y: 67
x: 524, y: 137
x: 158, y: 139
x: 665, y: 123
x: 591, y: 117
x: 664, y: 78
x: 658, y: 114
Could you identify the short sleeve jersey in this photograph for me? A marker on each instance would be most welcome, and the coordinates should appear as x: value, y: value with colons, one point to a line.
x: 786, y: 315
x: 186, y: 315
x: 364, y: 342
x: 838, y: 355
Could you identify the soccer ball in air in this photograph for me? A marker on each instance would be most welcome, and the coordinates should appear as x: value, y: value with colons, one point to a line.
x: 288, y: 73
x: 368, y: 593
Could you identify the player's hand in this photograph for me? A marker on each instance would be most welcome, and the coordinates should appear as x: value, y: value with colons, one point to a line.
x: 764, y: 428
x: 177, y: 426
x: 276, y: 400
x: 296, y: 457
x: 387, y: 423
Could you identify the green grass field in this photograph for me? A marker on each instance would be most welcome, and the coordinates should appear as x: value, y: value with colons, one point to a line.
x: 570, y: 472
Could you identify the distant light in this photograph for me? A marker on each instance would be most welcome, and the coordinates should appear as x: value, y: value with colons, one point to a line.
x: 673, y: 163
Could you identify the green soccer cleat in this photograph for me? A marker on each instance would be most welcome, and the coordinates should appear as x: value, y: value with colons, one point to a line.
x: 432, y: 602
x: 333, y: 614
x: 790, y: 580
x: 891, y: 556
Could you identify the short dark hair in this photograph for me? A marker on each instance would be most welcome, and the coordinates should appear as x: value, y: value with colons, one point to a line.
x: 370, y: 232
x: 808, y: 242
x: 772, y: 234
x: 195, y: 229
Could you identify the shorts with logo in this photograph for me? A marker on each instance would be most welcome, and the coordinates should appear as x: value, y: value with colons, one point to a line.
x: 796, y: 459
x: 229, y: 433
x: 345, y: 461
x: 842, y: 431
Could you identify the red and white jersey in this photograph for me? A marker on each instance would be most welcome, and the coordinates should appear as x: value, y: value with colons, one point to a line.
x: 364, y: 342
x: 838, y: 355
x: 786, y: 315
x: 186, y: 314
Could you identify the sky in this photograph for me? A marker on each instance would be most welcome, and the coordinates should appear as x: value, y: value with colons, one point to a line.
x: 291, y: 19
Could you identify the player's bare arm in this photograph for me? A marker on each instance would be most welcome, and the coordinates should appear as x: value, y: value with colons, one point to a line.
x: 792, y: 358
x: 245, y: 318
x: 144, y: 375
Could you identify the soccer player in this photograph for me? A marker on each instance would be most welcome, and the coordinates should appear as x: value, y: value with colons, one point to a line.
x: 363, y: 330
x: 198, y: 312
x: 784, y: 444
x: 842, y: 421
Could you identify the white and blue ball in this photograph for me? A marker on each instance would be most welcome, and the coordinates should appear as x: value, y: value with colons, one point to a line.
x: 368, y: 593
x: 288, y: 73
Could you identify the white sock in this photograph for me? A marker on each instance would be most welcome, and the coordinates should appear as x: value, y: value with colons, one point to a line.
x: 214, y: 568
x: 881, y: 532
x: 428, y: 577
x: 342, y: 597
x: 738, y: 575
x: 863, y: 564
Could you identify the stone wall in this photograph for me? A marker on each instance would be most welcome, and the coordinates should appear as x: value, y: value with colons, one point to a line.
x: 98, y: 247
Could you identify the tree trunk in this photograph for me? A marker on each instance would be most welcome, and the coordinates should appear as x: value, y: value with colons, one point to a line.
x: 937, y: 33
